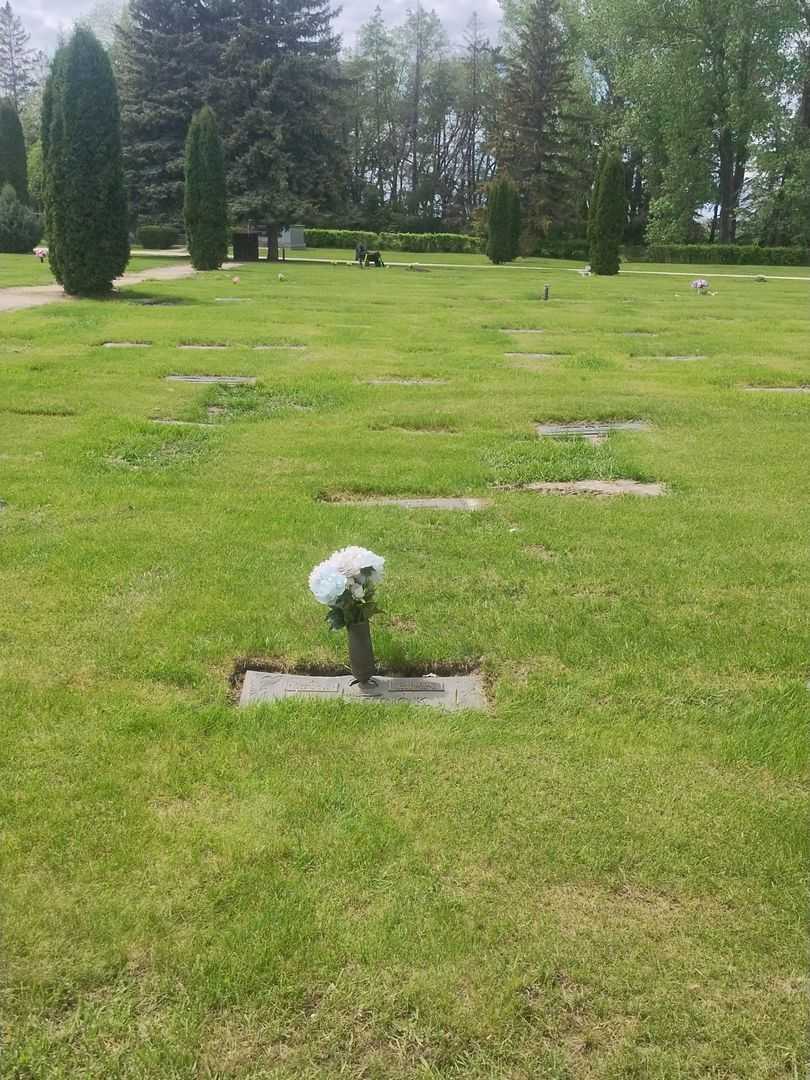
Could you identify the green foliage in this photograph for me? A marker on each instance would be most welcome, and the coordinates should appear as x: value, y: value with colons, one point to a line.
x: 85, y: 203
x: 726, y: 254
x: 503, y: 221
x: 460, y: 243
x: 19, y: 225
x: 156, y: 236
x: 609, y: 217
x: 13, y: 165
x: 36, y: 177
x: 205, y: 209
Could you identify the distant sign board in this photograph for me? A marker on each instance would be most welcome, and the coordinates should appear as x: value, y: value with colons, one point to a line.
x: 292, y: 237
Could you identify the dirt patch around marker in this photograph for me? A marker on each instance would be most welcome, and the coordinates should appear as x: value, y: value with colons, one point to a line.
x: 604, y: 488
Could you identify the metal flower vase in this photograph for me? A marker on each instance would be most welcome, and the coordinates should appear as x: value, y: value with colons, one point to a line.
x: 361, y: 651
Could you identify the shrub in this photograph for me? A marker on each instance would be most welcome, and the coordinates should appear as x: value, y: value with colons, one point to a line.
x: 85, y: 201
x: 19, y: 226
x: 205, y: 209
x: 393, y: 241
x: 13, y: 167
x: 607, y: 226
x: 503, y: 221
x: 156, y: 236
x: 727, y: 254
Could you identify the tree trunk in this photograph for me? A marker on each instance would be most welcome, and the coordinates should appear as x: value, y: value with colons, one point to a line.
x: 725, y: 184
x: 272, y: 243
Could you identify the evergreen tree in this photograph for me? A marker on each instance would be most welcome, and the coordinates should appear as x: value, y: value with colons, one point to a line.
x: 19, y: 228
x: 279, y: 93
x: 610, y: 215
x: 13, y: 168
x: 535, y: 137
x: 501, y: 213
x: 205, y: 209
x: 18, y: 63
x: 85, y: 202
x: 515, y: 220
x: 165, y: 53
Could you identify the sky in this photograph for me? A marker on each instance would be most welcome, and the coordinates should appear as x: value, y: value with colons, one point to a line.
x: 44, y: 19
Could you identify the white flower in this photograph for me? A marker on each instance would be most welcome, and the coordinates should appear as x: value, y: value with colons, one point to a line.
x: 357, y: 589
x: 327, y: 583
x: 351, y: 561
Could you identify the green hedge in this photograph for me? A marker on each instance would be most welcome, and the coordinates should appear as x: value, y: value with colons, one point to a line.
x: 387, y: 241
x: 562, y: 249
x: 726, y: 254
x: 156, y: 236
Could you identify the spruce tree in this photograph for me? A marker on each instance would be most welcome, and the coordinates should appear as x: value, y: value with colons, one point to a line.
x: 609, y: 217
x: 13, y: 167
x: 279, y: 95
x: 501, y: 215
x: 205, y: 209
x: 536, y: 136
x: 515, y: 220
x: 166, y: 55
x: 86, y: 208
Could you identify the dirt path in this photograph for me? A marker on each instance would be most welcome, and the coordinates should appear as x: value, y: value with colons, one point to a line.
x: 28, y: 296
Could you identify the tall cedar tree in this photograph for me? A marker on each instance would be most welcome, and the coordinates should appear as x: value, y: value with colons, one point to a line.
x: 609, y: 218
x: 502, y: 207
x: 166, y: 51
x: 86, y: 206
x: 205, y: 208
x: 13, y: 166
x: 279, y: 89
x: 18, y: 63
x: 535, y: 138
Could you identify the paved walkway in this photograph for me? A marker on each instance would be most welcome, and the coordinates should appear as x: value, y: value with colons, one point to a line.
x: 28, y: 296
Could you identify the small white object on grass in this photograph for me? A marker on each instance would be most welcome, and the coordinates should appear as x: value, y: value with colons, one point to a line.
x: 235, y: 279
x: 281, y: 277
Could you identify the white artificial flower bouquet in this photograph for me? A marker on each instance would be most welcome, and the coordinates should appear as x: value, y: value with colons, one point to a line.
x: 346, y: 583
x: 700, y: 285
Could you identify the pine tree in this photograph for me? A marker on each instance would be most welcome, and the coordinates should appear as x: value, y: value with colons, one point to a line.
x: 610, y: 215
x: 278, y: 95
x: 18, y: 63
x: 165, y: 54
x: 515, y: 221
x: 205, y: 209
x: 535, y: 138
x: 13, y: 168
x: 501, y: 219
x: 85, y: 202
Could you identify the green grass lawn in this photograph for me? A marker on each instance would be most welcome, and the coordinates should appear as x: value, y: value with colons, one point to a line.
x: 600, y: 878
x: 438, y: 257
x: 28, y: 270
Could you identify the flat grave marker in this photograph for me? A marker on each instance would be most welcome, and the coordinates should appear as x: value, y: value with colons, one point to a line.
x: 204, y: 346
x: 451, y: 693
x: 226, y: 380
x: 596, y: 487
x: 126, y: 344
x: 594, y: 431
x: 392, y: 381
x: 417, y: 503
x: 779, y: 389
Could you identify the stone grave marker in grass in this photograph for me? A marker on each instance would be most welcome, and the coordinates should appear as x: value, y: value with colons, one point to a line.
x: 779, y: 389
x: 414, y: 503
x: 393, y: 381
x: 594, y: 431
x: 595, y: 487
x: 126, y: 344
x: 451, y: 693
x: 225, y: 380
x: 208, y: 347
